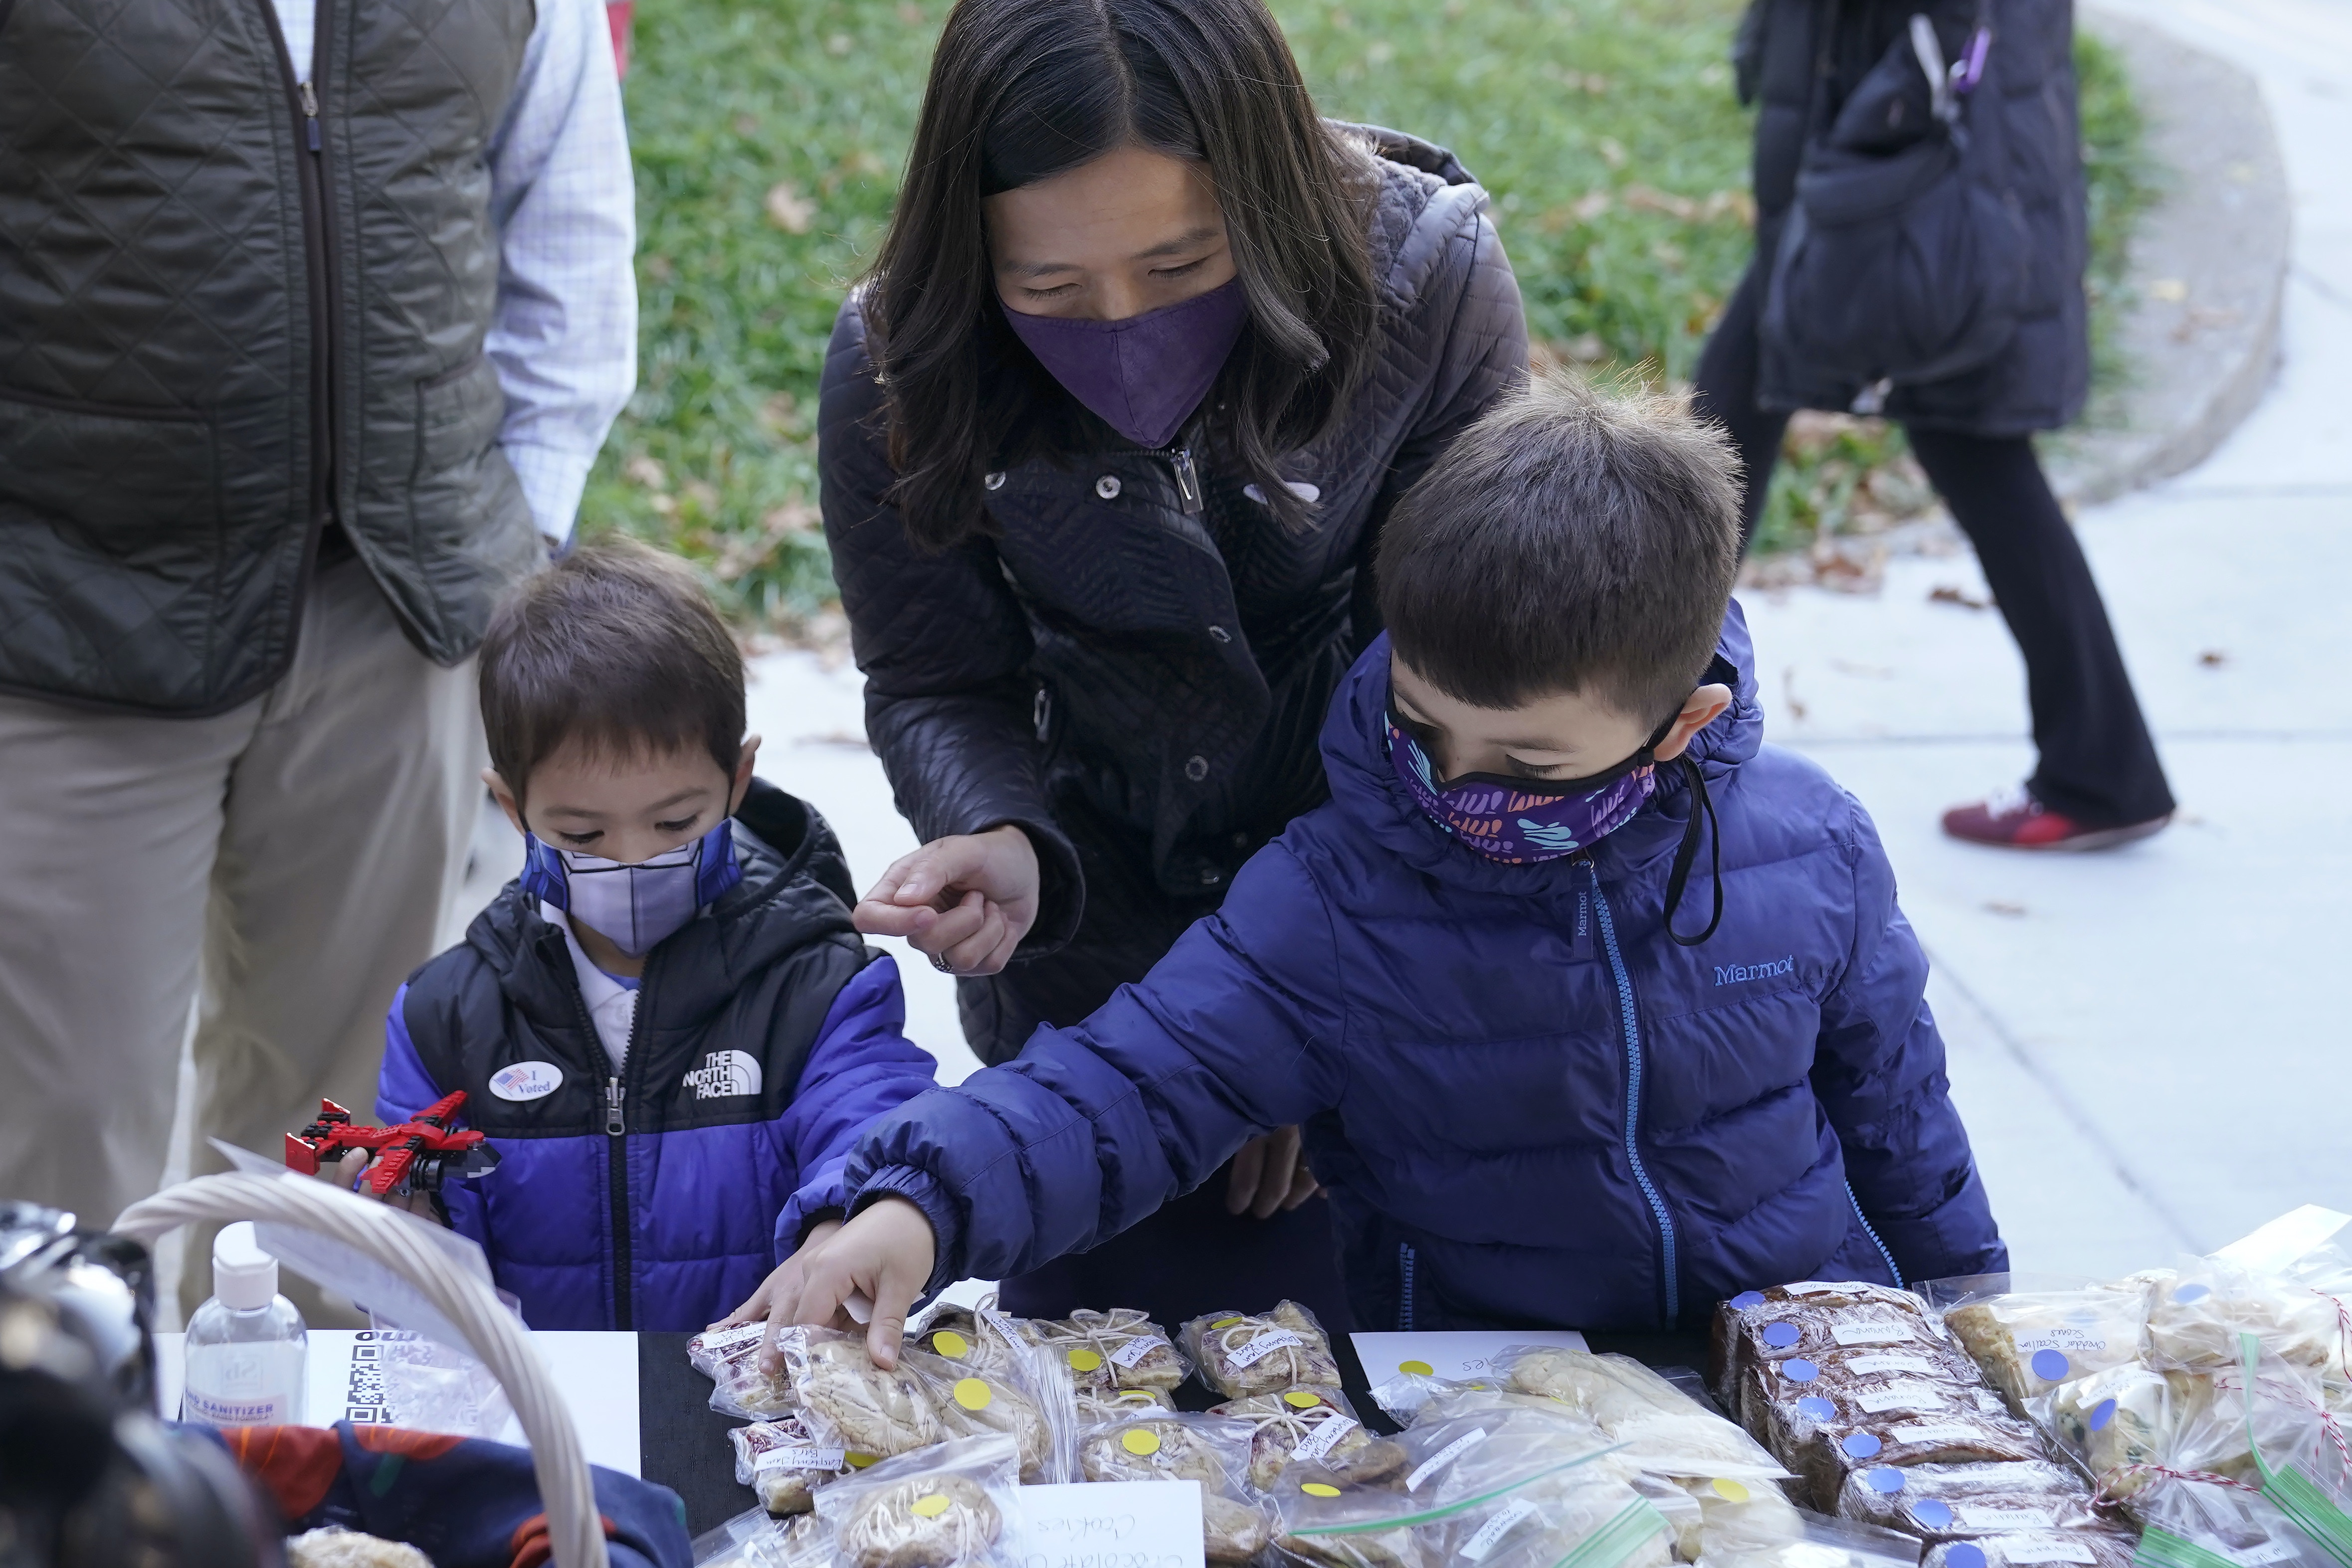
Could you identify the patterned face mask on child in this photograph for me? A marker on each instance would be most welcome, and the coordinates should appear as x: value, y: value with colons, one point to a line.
x: 1519, y: 821
x: 634, y: 906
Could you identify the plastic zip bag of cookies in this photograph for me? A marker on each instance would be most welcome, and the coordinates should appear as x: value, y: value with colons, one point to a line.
x: 848, y: 1403
x: 1811, y: 1541
x: 755, y: 1539
x: 1240, y: 1354
x: 940, y: 1506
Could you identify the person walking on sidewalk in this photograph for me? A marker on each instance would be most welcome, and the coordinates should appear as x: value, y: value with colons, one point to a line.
x: 1815, y: 65
x: 311, y: 322
x: 1107, y: 441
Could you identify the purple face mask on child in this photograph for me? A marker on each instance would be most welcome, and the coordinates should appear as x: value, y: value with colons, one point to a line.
x: 634, y: 906
x: 1519, y: 821
x: 1145, y: 376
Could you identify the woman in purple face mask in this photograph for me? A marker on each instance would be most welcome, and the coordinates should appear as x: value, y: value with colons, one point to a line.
x: 1107, y: 437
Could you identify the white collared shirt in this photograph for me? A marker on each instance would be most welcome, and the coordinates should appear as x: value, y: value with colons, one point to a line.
x: 563, y: 333
x: 612, y: 1005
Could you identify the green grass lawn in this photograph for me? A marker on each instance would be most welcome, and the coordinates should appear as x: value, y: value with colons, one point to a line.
x: 768, y: 135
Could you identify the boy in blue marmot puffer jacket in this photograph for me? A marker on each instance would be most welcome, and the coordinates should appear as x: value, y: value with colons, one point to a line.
x: 666, y: 1024
x: 1595, y: 1010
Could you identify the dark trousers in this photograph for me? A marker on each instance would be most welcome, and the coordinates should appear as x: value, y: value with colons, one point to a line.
x: 2098, y: 764
x: 1191, y: 1257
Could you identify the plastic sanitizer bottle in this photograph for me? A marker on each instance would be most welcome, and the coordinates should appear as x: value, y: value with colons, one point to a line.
x: 247, y: 1345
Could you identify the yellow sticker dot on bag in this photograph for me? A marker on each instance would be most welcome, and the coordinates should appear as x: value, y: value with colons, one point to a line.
x: 1300, y: 1399
x: 1318, y: 1489
x: 1139, y: 1442
x: 1084, y: 1360
x: 972, y: 1394
x: 951, y: 1345
x: 1730, y: 1491
x: 1223, y: 1323
x: 1420, y: 1368
x: 932, y: 1505
x: 859, y: 1461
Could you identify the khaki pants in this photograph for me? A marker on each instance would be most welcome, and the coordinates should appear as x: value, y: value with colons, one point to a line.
x: 295, y: 853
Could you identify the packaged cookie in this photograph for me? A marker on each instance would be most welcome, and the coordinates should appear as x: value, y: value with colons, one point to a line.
x: 941, y: 1507
x: 1661, y: 1427
x: 1240, y: 1354
x: 784, y: 1464
x: 1121, y: 1348
x: 1210, y: 1449
x: 1959, y: 1502
x: 847, y: 1402
x: 2029, y: 1341
x: 739, y: 1387
x: 2195, y: 1318
x: 1738, y: 1339
x: 1314, y: 1423
x: 978, y: 1339
x: 2120, y: 1424
x: 704, y: 1350
x: 1017, y: 1396
x: 1489, y: 1501
x: 1811, y: 1541
x: 755, y: 1539
x: 1095, y: 1406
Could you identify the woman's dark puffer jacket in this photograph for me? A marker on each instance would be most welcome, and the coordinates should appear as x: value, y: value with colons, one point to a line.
x: 1109, y: 669
x: 1801, y: 57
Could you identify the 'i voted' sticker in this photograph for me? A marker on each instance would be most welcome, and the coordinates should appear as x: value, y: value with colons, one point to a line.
x: 527, y: 1080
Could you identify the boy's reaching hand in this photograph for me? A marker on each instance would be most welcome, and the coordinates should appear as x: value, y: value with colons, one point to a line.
x: 884, y: 1255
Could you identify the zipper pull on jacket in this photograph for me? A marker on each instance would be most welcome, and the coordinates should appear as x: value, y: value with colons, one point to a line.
x: 1188, y: 482
x: 309, y: 117
x: 613, y: 1126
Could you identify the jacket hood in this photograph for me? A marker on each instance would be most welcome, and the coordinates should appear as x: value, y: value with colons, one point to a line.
x: 1365, y: 791
x: 795, y: 889
x: 1403, y: 146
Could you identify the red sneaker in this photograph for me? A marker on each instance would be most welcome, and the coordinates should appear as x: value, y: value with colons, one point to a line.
x: 2014, y: 820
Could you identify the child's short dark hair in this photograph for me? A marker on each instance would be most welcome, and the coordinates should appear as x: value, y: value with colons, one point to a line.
x: 616, y: 646
x: 1570, y: 540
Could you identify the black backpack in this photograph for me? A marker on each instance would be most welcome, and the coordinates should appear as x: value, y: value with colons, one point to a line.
x: 1905, y: 257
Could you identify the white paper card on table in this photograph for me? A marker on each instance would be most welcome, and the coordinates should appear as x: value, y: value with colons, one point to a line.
x: 2272, y: 1246
x: 1135, y: 1524
x: 595, y: 1373
x: 1462, y: 1356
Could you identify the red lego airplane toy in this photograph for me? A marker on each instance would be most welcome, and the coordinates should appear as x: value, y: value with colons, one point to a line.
x: 417, y: 1156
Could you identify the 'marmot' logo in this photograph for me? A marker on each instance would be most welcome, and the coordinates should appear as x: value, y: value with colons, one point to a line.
x: 1732, y: 974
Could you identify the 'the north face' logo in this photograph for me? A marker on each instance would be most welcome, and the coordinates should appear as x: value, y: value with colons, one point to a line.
x: 722, y: 1074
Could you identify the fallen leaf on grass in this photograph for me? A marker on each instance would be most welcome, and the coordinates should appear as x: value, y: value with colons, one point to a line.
x: 788, y: 209
x: 1945, y: 593
x: 2171, y: 290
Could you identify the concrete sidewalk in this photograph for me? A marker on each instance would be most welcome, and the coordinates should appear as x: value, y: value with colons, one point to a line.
x: 2149, y: 1044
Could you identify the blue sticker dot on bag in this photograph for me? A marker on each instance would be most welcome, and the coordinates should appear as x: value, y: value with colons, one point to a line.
x: 2050, y: 1366
x: 1934, y: 1513
x: 1965, y: 1555
x: 1814, y: 1407
x: 1798, y: 1370
x: 1747, y: 1298
x: 1860, y: 1444
x: 1885, y: 1478
x: 2187, y: 1293
x: 1780, y: 1336
x: 2103, y: 1414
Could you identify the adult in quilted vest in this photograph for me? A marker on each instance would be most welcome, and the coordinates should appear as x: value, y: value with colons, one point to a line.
x: 312, y: 317
x: 2098, y: 782
x: 1107, y: 437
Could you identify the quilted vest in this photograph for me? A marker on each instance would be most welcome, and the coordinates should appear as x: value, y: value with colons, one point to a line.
x: 232, y: 310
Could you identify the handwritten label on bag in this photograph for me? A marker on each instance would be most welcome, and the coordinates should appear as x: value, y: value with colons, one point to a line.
x: 802, y: 1457
x: 2259, y: 1557
x: 1870, y: 1365
x: 1900, y: 1396
x: 2044, y: 1549
x: 1442, y: 1457
x: 1324, y: 1437
x: 1876, y: 1330
x: 1490, y: 1535
x: 1258, y: 1349
x: 2000, y: 1516
x: 1135, y: 1350
x: 725, y: 1340
x: 1929, y: 1433
x: 2067, y: 1339
x: 1809, y: 1288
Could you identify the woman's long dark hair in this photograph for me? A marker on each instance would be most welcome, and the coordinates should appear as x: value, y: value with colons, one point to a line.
x: 1025, y: 89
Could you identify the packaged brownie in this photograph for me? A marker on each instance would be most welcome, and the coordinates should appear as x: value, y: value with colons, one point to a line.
x: 1962, y: 1502
x: 1814, y: 1323
x: 2089, y: 1548
x: 1823, y: 1437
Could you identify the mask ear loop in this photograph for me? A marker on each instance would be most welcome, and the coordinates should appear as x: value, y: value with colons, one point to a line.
x: 1686, y: 854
